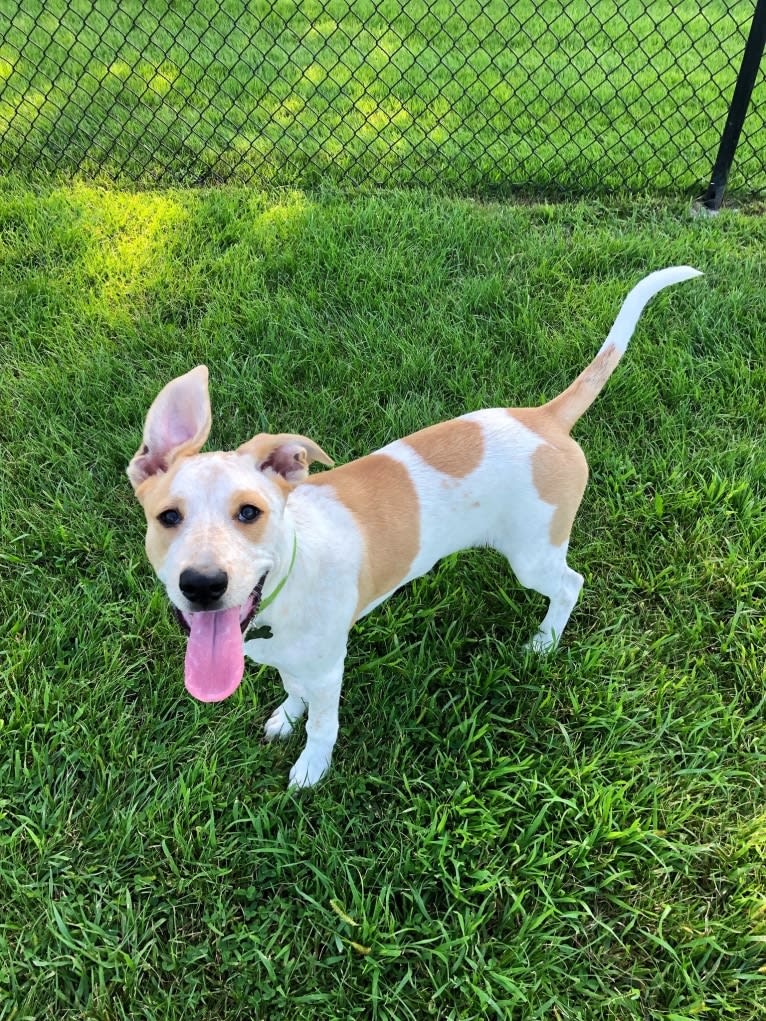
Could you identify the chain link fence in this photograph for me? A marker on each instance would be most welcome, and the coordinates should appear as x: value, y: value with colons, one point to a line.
x: 471, y: 95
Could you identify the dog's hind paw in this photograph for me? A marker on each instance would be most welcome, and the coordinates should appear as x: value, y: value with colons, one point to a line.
x: 310, y: 768
x: 541, y: 643
x: 281, y: 722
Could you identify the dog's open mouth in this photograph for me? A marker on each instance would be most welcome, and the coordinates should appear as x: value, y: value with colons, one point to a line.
x: 215, y: 655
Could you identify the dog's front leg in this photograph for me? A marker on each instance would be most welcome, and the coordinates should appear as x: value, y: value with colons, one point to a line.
x: 321, y: 695
x: 281, y: 722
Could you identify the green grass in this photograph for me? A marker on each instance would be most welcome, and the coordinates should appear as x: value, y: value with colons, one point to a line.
x: 578, y: 837
x: 591, y: 95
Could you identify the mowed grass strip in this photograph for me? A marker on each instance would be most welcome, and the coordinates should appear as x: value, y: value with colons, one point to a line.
x: 575, y: 837
x: 595, y: 95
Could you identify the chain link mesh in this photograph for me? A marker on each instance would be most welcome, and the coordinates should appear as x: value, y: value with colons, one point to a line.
x: 473, y: 95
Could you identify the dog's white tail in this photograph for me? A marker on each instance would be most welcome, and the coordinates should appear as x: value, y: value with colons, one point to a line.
x: 578, y: 397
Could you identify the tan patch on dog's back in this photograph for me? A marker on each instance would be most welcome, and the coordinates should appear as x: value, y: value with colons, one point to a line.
x: 454, y: 448
x: 559, y: 469
x: 380, y: 494
x: 536, y: 420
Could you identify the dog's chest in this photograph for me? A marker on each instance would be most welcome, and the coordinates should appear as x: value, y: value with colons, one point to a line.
x: 269, y: 645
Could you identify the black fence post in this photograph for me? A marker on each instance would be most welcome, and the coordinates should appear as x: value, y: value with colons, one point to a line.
x: 740, y: 101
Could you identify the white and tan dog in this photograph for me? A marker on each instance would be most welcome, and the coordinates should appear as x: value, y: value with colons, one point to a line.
x: 246, y: 539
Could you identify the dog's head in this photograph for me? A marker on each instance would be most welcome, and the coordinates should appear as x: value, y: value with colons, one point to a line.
x: 214, y: 525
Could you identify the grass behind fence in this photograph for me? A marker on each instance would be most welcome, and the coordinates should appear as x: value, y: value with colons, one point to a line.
x: 589, y: 96
x: 578, y: 837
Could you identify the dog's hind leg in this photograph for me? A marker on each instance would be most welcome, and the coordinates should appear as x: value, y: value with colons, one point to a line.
x: 562, y: 589
x: 545, y: 570
x: 537, y: 530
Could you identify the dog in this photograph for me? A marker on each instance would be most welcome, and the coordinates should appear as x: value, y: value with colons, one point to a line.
x: 261, y: 559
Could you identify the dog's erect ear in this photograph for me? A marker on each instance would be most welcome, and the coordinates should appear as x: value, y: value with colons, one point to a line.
x: 178, y: 423
x: 284, y: 454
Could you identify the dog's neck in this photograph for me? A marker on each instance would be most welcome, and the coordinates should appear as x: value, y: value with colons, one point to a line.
x: 280, y: 584
x: 283, y: 568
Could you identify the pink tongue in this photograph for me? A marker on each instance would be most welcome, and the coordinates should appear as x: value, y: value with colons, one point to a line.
x: 215, y: 658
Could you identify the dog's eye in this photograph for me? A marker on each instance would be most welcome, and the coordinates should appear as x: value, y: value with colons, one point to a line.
x: 170, y: 518
x: 248, y: 513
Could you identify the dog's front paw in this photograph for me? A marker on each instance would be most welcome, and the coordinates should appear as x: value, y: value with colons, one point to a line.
x: 310, y: 768
x: 281, y: 722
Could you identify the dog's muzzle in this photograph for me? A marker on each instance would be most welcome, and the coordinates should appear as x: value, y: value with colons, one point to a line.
x: 215, y: 653
x: 247, y: 611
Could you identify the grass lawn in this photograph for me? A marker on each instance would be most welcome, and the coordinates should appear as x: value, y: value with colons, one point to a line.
x: 577, y: 837
x: 591, y: 94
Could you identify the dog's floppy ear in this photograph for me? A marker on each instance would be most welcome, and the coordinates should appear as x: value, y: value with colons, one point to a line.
x: 178, y: 423
x: 284, y: 454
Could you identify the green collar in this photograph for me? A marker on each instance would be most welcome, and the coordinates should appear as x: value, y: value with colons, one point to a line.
x: 270, y: 599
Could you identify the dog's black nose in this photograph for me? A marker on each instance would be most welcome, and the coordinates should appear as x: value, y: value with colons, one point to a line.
x: 203, y: 587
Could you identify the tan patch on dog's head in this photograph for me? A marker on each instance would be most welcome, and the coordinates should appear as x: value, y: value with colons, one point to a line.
x: 379, y: 492
x: 454, y: 448
x: 154, y: 496
x: 286, y: 456
x: 252, y: 530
